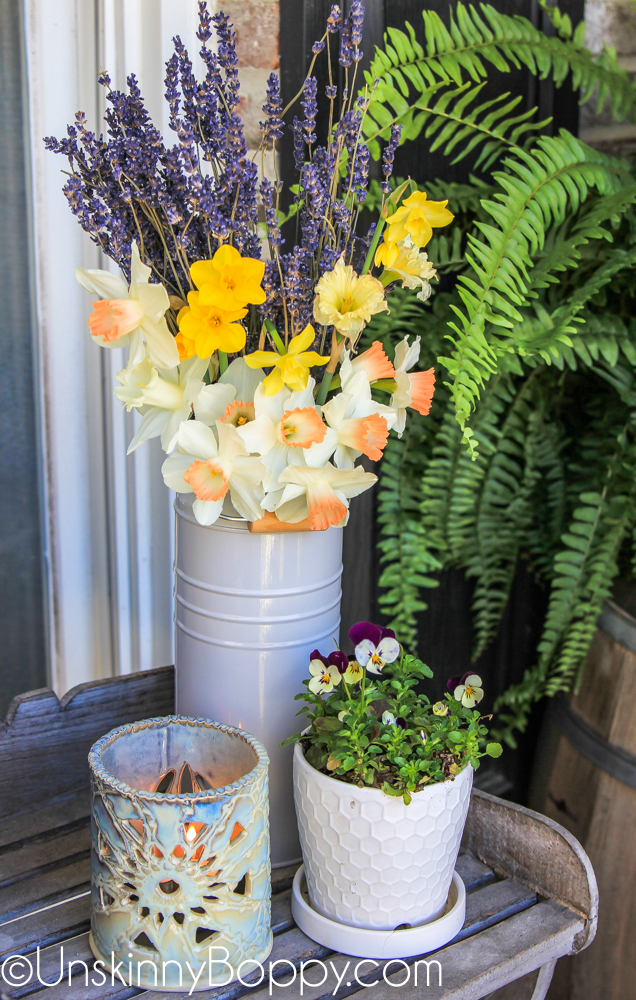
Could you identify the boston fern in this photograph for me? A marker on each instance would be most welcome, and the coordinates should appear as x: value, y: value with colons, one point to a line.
x: 529, y: 452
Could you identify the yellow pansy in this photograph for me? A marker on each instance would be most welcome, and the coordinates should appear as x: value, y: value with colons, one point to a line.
x: 290, y: 369
x: 417, y: 217
x: 229, y: 281
x: 347, y: 301
x: 210, y: 328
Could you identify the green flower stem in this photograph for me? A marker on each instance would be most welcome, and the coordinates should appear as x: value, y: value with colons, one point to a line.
x: 273, y: 332
x: 222, y: 362
x: 321, y: 398
x: 386, y: 385
x: 368, y: 261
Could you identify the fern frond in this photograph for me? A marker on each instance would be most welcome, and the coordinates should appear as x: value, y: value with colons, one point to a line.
x: 504, y: 513
x: 406, y: 563
x: 538, y: 190
x: 458, y: 57
x: 583, y: 573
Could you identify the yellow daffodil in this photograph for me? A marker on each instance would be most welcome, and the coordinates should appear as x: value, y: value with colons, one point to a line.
x: 209, y: 328
x: 229, y: 281
x: 347, y: 301
x: 405, y: 261
x: 185, y: 346
x: 417, y: 217
x: 290, y: 369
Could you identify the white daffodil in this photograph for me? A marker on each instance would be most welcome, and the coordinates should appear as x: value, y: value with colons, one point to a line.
x: 414, y: 390
x: 131, y: 315
x: 209, y: 469
x: 321, y: 494
x: 470, y: 692
x: 349, y: 434
x: 245, y: 380
x: 165, y: 400
x: 324, y: 678
x: 285, y: 425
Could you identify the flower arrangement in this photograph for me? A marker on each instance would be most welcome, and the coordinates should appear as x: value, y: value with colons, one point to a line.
x: 369, y: 726
x: 242, y: 352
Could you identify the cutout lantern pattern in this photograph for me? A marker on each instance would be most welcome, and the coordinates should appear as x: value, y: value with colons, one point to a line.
x: 180, y: 851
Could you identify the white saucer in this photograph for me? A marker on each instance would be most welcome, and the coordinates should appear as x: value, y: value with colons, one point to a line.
x: 364, y: 943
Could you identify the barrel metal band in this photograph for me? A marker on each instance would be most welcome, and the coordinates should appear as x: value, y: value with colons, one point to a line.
x: 618, y: 763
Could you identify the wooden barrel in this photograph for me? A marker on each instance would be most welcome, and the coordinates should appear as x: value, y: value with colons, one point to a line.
x: 585, y: 779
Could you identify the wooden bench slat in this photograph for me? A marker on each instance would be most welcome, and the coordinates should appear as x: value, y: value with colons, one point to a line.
x: 64, y: 880
x: 29, y: 857
x: 40, y: 728
x: 48, y: 822
x: 54, y: 926
x: 472, y: 872
x: 291, y: 943
x: 470, y: 968
x: 493, y: 903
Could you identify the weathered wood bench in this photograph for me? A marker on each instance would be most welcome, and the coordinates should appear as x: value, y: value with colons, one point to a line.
x: 531, y: 890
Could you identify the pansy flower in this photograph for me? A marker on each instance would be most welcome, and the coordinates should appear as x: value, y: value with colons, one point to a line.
x: 440, y: 708
x: 354, y: 673
x: 457, y: 679
x: 389, y: 719
x: 324, y: 676
x: 374, y: 646
x: 336, y: 659
x: 470, y: 691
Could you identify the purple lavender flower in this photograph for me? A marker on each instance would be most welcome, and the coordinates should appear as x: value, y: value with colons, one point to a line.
x: 388, y: 155
x: 310, y: 107
x: 272, y: 127
x: 333, y: 21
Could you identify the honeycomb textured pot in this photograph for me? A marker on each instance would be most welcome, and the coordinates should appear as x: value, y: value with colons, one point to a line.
x: 370, y: 860
x: 174, y: 875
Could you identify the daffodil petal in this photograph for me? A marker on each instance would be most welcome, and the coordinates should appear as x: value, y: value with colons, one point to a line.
x: 273, y: 382
x: 207, y: 511
x: 261, y: 359
x: 302, y: 341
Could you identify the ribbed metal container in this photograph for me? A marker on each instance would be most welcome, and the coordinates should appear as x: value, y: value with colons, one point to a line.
x: 249, y: 610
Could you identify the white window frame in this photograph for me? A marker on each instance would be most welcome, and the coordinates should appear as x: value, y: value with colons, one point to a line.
x: 108, y: 519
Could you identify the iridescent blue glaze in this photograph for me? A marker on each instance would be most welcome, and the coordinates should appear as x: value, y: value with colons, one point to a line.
x: 179, y: 878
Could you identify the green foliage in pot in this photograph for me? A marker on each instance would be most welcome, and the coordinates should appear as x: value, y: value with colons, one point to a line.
x: 370, y: 727
x: 529, y: 452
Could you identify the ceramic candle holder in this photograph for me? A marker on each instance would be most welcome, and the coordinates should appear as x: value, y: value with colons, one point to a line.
x: 179, y: 877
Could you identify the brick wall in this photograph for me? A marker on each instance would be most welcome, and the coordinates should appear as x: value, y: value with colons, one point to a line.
x: 610, y: 22
x: 256, y: 26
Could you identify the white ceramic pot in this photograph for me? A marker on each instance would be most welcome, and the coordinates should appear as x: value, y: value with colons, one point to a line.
x: 249, y: 609
x: 370, y: 860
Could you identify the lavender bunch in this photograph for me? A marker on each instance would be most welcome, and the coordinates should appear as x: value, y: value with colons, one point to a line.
x: 129, y: 186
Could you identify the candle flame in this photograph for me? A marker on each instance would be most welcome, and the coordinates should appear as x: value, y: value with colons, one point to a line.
x: 191, y: 833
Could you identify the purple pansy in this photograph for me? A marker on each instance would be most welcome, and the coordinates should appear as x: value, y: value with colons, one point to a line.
x: 336, y: 659
x: 374, y: 645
